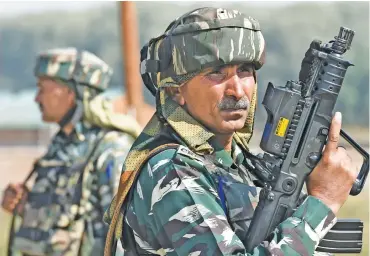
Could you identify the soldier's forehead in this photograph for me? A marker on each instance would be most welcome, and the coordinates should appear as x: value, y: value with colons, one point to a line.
x: 222, y: 66
x: 45, y: 81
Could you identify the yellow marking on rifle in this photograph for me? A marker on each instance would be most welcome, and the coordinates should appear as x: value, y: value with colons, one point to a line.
x: 281, y: 127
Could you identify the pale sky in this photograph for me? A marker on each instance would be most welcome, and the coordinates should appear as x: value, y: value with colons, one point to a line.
x: 15, y: 8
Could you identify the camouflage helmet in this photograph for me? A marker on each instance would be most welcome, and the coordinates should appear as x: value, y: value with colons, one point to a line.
x: 202, y: 38
x: 71, y: 66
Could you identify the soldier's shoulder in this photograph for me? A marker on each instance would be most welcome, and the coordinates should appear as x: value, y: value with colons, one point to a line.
x: 162, y: 168
x: 110, y: 135
x: 114, y: 140
x: 184, y: 154
x: 175, y: 155
x: 113, y: 146
x: 118, y: 137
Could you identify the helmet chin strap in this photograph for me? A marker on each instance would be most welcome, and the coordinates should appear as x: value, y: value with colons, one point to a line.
x: 73, y: 115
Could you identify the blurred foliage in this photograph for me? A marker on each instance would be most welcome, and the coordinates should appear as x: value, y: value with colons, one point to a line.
x: 288, y: 30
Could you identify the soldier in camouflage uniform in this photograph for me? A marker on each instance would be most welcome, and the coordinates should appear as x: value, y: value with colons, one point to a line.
x: 191, y: 193
x: 62, y: 214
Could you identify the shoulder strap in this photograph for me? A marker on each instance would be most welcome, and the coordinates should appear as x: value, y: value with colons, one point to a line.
x: 88, y: 159
x: 127, y: 179
x: 83, y: 177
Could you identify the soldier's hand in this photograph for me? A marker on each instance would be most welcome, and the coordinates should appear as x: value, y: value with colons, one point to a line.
x: 334, y: 175
x: 14, y: 194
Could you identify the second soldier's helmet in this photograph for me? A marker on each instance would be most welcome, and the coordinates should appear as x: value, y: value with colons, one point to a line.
x: 74, y: 67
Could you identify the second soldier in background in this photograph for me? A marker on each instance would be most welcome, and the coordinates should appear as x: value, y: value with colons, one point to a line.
x: 77, y: 177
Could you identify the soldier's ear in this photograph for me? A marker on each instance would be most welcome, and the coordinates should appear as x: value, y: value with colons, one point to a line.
x: 176, y: 95
x: 71, y: 95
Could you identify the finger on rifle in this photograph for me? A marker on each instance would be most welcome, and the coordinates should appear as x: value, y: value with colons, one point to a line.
x: 20, y: 186
x: 19, y: 196
x: 11, y: 200
x: 13, y: 191
x: 9, y: 192
x: 17, y: 188
x: 12, y: 186
x: 334, y: 132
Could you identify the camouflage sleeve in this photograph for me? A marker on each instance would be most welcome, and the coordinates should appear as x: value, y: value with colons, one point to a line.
x: 182, y: 215
x: 113, y: 152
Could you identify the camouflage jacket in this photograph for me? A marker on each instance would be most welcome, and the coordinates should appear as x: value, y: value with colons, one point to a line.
x: 65, y: 207
x: 187, y: 204
x: 196, y: 198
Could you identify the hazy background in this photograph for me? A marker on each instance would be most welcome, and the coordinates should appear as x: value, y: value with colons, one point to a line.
x: 288, y: 27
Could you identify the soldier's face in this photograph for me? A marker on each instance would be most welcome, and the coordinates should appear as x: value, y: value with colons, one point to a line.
x: 219, y: 98
x: 53, y: 99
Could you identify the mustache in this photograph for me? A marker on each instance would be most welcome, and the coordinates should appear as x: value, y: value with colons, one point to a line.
x: 230, y: 103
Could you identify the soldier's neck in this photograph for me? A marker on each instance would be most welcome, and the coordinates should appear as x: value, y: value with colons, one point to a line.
x: 225, y: 140
x: 68, y: 121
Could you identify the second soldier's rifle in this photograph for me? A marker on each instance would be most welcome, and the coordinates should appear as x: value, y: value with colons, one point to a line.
x: 15, y: 211
x: 299, y: 117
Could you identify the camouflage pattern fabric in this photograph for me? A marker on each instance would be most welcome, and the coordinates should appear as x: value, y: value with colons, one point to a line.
x: 65, y: 207
x: 176, y: 209
x: 196, y: 138
x: 206, y: 38
x: 99, y: 111
x: 70, y: 67
x: 66, y: 64
x: 61, y: 208
x: 170, y: 203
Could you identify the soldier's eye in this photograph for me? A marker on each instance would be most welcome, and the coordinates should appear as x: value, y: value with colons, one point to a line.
x: 216, y: 76
x: 245, y: 70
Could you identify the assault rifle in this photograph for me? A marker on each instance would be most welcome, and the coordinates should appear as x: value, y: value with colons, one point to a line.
x: 299, y: 117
